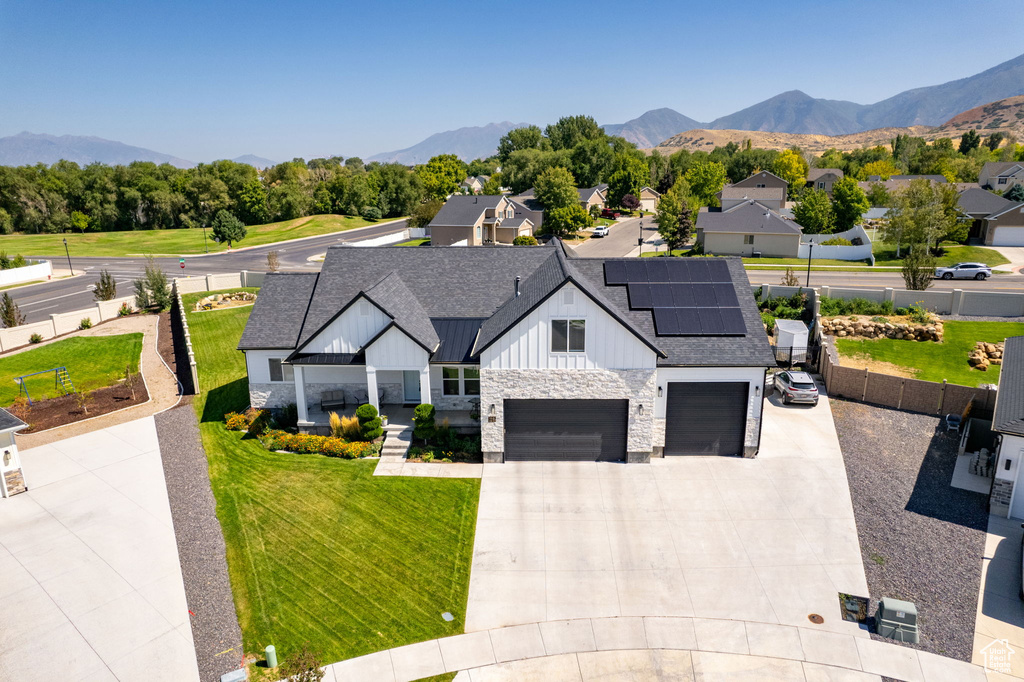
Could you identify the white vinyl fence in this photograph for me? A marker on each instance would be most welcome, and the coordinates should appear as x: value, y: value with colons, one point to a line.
x: 834, y: 251
x: 29, y: 273
x: 62, y: 323
x: 943, y: 302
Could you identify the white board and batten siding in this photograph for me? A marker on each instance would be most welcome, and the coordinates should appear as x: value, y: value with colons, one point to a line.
x: 350, y: 330
x: 395, y: 350
x: 608, y: 344
x: 258, y: 366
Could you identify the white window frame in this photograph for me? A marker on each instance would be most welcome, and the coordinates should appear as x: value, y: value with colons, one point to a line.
x: 479, y: 233
x: 286, y: 370
x: 460, y: 379
x: 568, y: 335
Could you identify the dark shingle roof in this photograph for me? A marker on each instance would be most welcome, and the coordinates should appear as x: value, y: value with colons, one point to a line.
x: 8, y: 422
x: 465, y: 209
x: 457, y: 335
x: 1009, y: 412
x: 514, y: 222
x: 756, y: 193
x: 393, y: 297
x: 977, y: 201
x: 276, y: 318
x: 747, y: 218
x: 815, y: 173
x: 762, y: 176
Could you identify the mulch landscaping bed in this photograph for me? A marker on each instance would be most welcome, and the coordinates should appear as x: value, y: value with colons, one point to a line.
x: 921, y: 539
x: 46, y: 414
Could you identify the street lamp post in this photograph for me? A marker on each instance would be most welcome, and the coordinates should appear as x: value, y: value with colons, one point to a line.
x: 810, y: 250
x: 68, y: 254
x: 205, y: 245
x: 640, y: 240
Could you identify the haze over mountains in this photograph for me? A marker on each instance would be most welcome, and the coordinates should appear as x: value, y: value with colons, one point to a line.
x: 789, y: 112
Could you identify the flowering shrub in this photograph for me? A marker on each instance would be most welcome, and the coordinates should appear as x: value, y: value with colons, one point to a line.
x: 305, y: 443
x: 235, y: 422
x: 124, y: 311
x: 258, y: 421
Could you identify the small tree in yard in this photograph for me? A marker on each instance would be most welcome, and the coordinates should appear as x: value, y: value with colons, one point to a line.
x: 152, y: 290
x: 106, y: 288
x: 789, y: 279
x: 423, y: 417
x: 567, y: 221
x: 302, y: 666
x: 130, y: 380
x: 10, y: 313
x: 272, y: 262
x: 83, y: 398
x: 630, y: 202
x: 369, y: 422
x: 918, y: 267
x: 675, y: 221
x: 228, y: 228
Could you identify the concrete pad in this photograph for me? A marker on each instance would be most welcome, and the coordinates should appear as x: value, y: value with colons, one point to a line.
x: 752, y: 499
x: 509, y: 545
x: 674, y: 666
x: 653, y: 593
x: 819, y: 499
x: 670, y: 633
x: 848, y: 578
x: 413, y: 661
x: 691, y: 495
x: 689, y: 468
x: 708, y: 667
x: 568, y: 636
x: 563, y: 668
x: 774, y: 542
x: 500, y: 598
x: 374, y: 667
x: 581, y: 594
x: 466, y: 651
x: 92, y: 584
x: 941, y: 669
x: 574, y: 544
x: 160, y: 658
x: 795, y: 592
x: 516, y: 642
x: 33, y: 658
x: 724, y: 636
x: 613, y: 666
x: 45, y: 465
x: 619, y: 633
x: 816, y: 672
x: 121, y: 626
x: 708, y: 544
x: 833, y: 541
x: 728, y: 593
x: 889, y: 660
x: 779, y: 641
x: 642, y: 545
x: 830, y: 648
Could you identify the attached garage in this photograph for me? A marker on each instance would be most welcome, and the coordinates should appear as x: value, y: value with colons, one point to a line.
x: 705, y: 418
x: 566, y: 430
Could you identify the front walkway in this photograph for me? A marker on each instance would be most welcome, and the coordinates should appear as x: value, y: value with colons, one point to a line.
x: 771, y: 539
x: 1000, y: 609
x: 90, y: 584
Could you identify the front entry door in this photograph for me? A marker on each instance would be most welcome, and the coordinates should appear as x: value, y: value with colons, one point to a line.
x: 411, y: 379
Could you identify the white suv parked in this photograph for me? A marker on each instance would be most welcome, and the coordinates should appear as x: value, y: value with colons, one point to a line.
x: 964, y: 271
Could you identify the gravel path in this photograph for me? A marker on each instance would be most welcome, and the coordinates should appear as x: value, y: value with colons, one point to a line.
x: 979, y: 318
x: 922, y: 540
x: 218, y: 639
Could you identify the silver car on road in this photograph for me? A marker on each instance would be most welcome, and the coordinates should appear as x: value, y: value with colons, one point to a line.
x: 964, y: 271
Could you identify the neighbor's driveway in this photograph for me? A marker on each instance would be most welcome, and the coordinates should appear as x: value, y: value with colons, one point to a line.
x: 771, y: 539
x: 90, y: 584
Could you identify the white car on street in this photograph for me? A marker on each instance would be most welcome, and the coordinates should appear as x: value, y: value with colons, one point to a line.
x: 601, y: 231
x: 964, y: 271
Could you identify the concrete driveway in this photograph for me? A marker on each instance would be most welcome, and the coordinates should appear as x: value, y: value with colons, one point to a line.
x: 771, y: 539
x: 90, y: 585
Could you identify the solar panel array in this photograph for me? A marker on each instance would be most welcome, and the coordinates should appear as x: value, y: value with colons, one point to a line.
x: 688, y: 297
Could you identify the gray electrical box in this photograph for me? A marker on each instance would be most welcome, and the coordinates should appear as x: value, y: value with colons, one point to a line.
x: 897, y: 619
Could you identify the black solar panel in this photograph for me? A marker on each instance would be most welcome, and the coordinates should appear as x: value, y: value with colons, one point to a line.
x: 657, y: 270
x: 640, y: 296
x: 682, y: 296
x: 718, y: 270
x: 689, y: 321
x: 699, y: 270
x: 704, y: 295
x: 636, y: 271
x: 732, y: 321
x: 710, y: 321
x: 661, y: 295
x: 665, y: 321
x: 678, y: 269
x: 614, y: 272
x: 725, y: 294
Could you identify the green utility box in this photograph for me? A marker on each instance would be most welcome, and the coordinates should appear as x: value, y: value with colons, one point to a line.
x: 897, y: 619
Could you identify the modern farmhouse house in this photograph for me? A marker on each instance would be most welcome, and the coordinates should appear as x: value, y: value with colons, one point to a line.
x: 560, y: 357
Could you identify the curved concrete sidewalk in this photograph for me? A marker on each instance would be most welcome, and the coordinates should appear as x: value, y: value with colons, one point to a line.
x: 654, y: 648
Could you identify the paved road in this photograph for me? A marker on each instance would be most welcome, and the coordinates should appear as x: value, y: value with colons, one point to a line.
x: 620, y: 242
x: 880, y: 280
x: 39, y: 301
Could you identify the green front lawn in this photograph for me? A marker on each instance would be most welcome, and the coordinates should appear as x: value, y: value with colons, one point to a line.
x: 318, y: 549
x: 415, y: 242
x: 933, y: 361
x: 172, y: 242
x: 885, y: 254
x: 92, y: 361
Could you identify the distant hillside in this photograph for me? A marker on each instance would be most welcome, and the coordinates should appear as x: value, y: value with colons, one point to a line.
x: 253, y: 160
x: 706, y: 140
x: 652, y: 127
x: 475, y: 142
x: 1006, y: 116
x: 30, y: 148
x: 794, y: 112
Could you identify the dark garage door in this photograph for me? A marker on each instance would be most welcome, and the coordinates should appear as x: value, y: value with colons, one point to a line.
x: 567, y: 430
x: 705, y: 418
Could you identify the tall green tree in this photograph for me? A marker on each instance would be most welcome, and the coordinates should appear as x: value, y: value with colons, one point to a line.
x: 849, y: 203
x: 706, y: 179
x: 918, y: 268
x: 441, y: 175
x: 10, y: 313
x: 630, y: 177
x: 791, y: 167
x: 969, y: 140
x: 253, y: 206
x: 590, y: 161
x: 675, y: 220
x: 813, y: 212
x: 566, y: 221
x: 917, y: 216
x: 555, y: 188
x: 569, y: 131
x: 517, y: 139
x: 493, y: 185
x: 228, y: 228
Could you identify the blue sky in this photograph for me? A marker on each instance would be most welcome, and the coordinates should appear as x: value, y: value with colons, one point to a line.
x: 215, y: 79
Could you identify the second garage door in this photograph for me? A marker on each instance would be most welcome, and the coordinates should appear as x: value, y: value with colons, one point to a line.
x: 567, y: 430
x: 705, y: 418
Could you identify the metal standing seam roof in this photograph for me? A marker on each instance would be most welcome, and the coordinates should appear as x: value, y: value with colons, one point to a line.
x: 457, y: 334
x: 8, y: 422
x: 1009, y: 411
x: 749, y: 217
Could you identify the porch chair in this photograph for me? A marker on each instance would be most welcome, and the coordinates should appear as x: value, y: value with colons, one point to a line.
x: 332, y: 400
x: 953, y: 422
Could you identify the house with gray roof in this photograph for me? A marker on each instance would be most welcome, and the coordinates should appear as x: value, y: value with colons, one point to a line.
x: 559, y: 357
x: 824, y: 178
x: 475, y: 220
x: 475, y: 183
x: 734, y: 195
x: 749, y: 228
x: 1008, y: 421
x: 995, y: 221
x: 1001, y: 175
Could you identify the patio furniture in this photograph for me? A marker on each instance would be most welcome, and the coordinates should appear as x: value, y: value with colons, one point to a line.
x: 363, y: 397
x: 953, y: 422
x: 332, y: 400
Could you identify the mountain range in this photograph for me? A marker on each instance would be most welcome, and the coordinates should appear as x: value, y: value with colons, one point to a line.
x: 474, y: 142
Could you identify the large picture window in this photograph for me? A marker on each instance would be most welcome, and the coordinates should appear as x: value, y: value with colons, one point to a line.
x: 280, y: 371
x: 460, y: 380
x: 568, y: 336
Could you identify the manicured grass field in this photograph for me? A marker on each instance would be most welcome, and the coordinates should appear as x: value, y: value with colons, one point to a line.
x: 415, y: 242
x: 172, y: 242
x: 885, y: 254
x: 318, y: 549
x: 92, y: 362
x: 933, y: 361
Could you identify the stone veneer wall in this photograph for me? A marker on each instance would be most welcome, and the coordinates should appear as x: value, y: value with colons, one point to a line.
x: 271, y: 395
x: 452, y: 402
x: 637, y: 385
x: 999, y: 502
x: 281, y: 394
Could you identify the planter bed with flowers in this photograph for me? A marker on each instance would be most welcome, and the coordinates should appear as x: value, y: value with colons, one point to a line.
x: 261, y: 424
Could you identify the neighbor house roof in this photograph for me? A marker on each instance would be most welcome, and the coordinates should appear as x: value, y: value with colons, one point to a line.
x: 1009, y: 412
x: 1001, y: 168
x: 515, y: 222
x: 277, y: 321
x: 749, y: 217
x: 1015, y: 210
x: 465, y: 209
x: 755, y: 193
x: 752, y: 179
x: 941, y: 179
x: 8, y: 422
x: 815, y: 173
x: 587, y: 193
x: 979, y: 202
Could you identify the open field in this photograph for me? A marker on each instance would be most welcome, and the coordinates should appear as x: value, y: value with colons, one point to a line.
x: 318, y: 549
x: 933, y: 361
x: 92, y: 362
x: 173, y: 242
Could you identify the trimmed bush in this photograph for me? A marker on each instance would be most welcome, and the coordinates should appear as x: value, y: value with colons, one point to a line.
x: 837, y: 241
x: 525, y: 240
x: 423, y: 416
x: 86, y: 323
x: 768, y: 320
x: 308, y: 444
x: 35, y: 338
x: 832, y: 307
x: 370, y: 213
x: 369, y: 422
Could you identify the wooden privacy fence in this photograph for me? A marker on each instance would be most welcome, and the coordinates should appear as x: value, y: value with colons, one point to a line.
x: 913, y: 395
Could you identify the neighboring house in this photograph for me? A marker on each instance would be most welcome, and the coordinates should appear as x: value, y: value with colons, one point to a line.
x: 748, y: 229
x: 475, y: 220
x: 734, y: 195
x: 1008, y: 422
x: 824, y: 178
x: 1001, y: 175
x: 763, y: 179
x: 12, y: 481
x: 528, y: 208
x: 978, y: 204
x: 475, y: 184
x: 649, y: 200
x: 593, y: 196
x: 562, y: 358
x: 1005, y: 228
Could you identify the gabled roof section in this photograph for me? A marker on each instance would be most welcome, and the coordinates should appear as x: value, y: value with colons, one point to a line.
x: 280, y: 309
x: 749, y: 217
x: 8, y: 422
x: 1002, y: 169
x: 587, y: 193
x: 762, y: 176
x: 755, y: 193
x: 1009, y: 412
x: 537, y: 288
x: 1009, y: 209
x: 977, y: 201
x: 399, y: 303
x: 815, y: 173
x: 463, y: 210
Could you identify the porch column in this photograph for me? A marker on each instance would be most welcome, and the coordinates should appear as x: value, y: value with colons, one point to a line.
x: 300, y: 394
x: 425, y: 385
x: 371, y: 386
